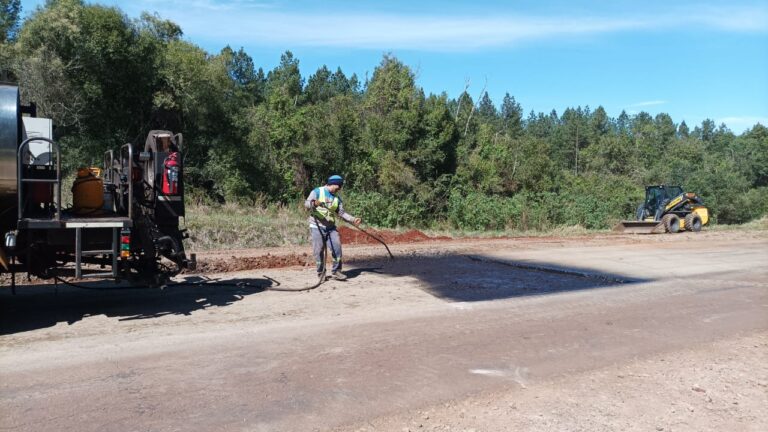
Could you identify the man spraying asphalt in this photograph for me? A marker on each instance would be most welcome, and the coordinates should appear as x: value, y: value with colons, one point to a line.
x: 325, y: 206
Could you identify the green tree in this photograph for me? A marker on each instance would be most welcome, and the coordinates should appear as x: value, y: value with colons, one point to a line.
x: 247, y: 84
x: 540, y: 125
x: 393, y: 108
x: 435, y: 154
x: 706, y: 131
x: 408, y: 158
x: 642, y: 132
x: 486, y: 110
x: 323, y: 85
x: 572, y: 138
x: 752, y: 150
x: 284, y: 82
x: 319, y: 87
x: 106, y: 60
x: 10, y: 13
x: 512, y: 116
x: 611, y: 154
x: 158, y: 28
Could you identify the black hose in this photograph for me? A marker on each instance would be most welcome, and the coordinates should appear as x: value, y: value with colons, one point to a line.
x: 319, y: 282
x: 74, y: 285
x: 201, y: 283
x: 375, y: 238
x: 321, y: 279
x: 365, y: 232
x: 276, y: 287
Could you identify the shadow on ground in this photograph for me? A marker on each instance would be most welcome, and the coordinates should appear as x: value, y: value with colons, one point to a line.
x: 468, y: 278
x: 451, y: 277
x: 45, y: 305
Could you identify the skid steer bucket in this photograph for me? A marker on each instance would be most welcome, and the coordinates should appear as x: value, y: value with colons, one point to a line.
x: 639, y: 227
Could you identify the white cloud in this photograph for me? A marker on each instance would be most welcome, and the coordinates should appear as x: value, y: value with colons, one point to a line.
x: 262, y: 23
x: 732, y: 19
x: 647, y: 103
x: 203, y: 5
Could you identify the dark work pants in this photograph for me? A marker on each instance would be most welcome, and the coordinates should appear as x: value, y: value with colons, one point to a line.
x: 331, y: 237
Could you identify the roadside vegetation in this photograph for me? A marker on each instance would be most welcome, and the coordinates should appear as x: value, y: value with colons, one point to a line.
x: 410, y: 159
x: 753, y: 225
x: 235, y: 226
x: 238, y: 226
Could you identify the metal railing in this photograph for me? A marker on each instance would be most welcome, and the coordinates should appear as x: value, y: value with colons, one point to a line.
x: 20, y: 180
x: 109, y: 166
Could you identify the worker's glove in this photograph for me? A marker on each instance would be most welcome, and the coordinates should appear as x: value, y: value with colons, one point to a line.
x: 358, y: 221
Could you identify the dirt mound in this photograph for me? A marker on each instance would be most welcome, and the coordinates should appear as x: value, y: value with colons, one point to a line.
x: 348, y: 236
x: 353, y: 236
x: 235, y: 263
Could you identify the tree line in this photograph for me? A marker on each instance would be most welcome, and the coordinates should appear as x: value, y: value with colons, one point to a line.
x: 409, y: 158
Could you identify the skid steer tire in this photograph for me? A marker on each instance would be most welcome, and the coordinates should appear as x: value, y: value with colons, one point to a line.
x: 693, y: 222
x: 671, y: 223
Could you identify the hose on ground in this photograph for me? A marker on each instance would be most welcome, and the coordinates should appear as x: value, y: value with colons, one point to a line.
x: 275, y: 287
x: 199, y: 283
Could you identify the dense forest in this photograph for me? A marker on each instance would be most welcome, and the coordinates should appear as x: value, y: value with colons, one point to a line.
x: 409, y: 158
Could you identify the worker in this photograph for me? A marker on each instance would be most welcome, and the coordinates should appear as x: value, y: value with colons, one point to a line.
x: 324, y: 204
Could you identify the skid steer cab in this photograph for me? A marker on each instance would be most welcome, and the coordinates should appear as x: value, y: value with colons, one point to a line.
x: 667, y: 209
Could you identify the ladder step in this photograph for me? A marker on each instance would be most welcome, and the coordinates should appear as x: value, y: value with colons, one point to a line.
x: 35, y: 180
x: 97, y: 252
x: 97, y: 275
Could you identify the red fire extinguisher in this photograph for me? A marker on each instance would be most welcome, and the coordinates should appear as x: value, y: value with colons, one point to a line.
x: 171, y: 174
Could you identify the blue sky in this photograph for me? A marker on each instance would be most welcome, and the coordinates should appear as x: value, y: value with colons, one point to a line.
x: 690, y: 59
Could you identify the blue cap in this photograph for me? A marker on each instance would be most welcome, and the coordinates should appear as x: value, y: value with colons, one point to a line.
x: 335, y: 180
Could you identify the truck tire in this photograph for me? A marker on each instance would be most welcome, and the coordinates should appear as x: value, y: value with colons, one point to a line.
x: 671, y: 223
x: 693, y: 222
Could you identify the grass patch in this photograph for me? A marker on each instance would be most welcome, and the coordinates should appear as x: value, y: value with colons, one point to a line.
x: 563, y: 231
x: 232, y: 226
x: 760, y: 224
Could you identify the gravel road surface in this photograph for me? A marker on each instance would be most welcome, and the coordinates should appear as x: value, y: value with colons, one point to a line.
x: 646, y: 333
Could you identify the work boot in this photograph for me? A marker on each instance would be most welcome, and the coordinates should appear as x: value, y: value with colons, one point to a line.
x: 339, y: 276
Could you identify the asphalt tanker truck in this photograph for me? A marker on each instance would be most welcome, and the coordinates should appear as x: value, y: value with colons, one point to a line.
x: 124, y: 219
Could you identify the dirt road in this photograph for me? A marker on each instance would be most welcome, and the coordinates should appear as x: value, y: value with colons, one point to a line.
x: 593, y: 333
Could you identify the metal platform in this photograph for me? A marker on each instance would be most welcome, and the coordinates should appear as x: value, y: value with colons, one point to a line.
x: 78, y: 224
x: 74, y: 221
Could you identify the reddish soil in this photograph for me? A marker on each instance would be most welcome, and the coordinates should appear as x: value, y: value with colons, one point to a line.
x: 235, y: 263
x: 349, y: 236
x: 354, y: 236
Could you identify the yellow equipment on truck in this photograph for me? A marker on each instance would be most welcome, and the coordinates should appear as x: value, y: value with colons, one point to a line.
x: 667, y: 209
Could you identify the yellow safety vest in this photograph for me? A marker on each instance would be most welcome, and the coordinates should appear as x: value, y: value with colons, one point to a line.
x: 328, y: 211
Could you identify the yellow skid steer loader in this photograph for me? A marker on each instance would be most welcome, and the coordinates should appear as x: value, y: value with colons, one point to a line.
x: 667, y: 209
